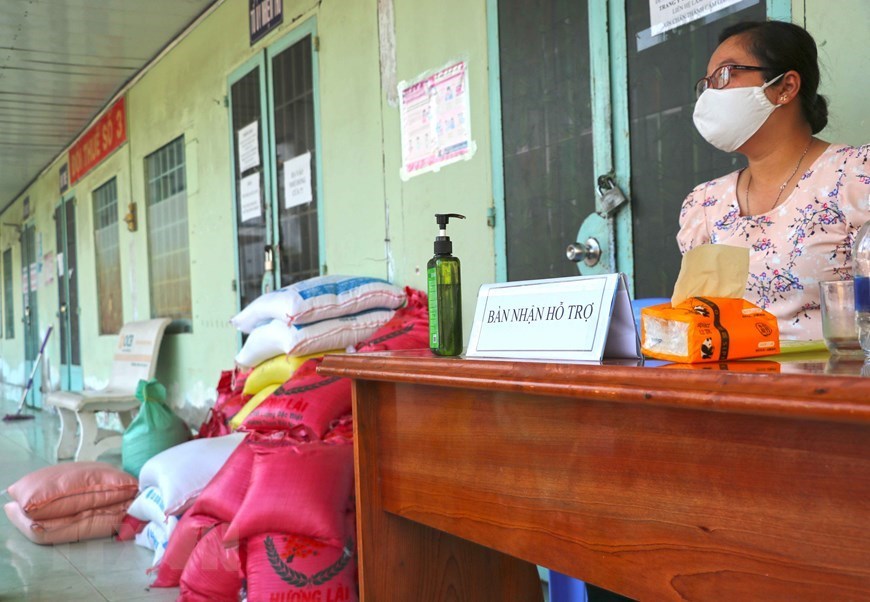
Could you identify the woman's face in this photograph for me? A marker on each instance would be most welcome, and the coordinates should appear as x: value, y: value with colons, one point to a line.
x: 734, y: 51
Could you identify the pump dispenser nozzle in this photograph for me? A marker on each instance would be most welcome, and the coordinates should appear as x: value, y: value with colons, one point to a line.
x: 443, y: 244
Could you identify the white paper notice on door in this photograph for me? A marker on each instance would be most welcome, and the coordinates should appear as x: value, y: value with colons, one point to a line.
x: 670, y: 14
x: 249, y: 147
x: 297, y: 181
x: 250, y: 197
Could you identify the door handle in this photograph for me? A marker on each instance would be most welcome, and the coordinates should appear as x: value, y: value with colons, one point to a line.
x: 588, y: 252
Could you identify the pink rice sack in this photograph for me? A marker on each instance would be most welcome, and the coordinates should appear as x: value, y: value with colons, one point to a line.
x: 189, y: 531
x: 407, y: 329
x: 224, y: 494
x: 296, y: 488
x: 63, y: 490
x: 213, y: 573
x: 340, y: 430
x: 304, y: 406
x: 280, y: 566
x: 94, y: 523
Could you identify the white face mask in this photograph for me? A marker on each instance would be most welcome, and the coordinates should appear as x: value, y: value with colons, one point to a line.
x: 729, y: 117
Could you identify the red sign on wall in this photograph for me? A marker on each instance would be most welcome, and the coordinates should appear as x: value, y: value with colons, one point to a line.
x: 107, y: 134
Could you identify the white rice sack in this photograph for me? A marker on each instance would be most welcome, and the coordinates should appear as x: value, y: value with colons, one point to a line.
x: 155, y: 536
x: 148, y: 506
x: 320, y: 298
x: 277, y: 338
x: 181, y: 472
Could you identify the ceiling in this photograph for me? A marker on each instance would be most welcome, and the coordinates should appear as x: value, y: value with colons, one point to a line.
x: 61, y: 62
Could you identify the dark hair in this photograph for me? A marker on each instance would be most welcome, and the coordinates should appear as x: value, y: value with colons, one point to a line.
x: 782, y: 47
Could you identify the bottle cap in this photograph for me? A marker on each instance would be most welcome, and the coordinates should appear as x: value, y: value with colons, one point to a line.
x: 443, y: 244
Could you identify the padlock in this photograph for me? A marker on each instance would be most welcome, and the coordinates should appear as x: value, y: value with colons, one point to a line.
x: 611, y: 196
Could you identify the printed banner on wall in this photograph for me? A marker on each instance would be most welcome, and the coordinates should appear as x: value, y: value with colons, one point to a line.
x: 670, y: 14
x: 435, y: 120
x: 107, y: 134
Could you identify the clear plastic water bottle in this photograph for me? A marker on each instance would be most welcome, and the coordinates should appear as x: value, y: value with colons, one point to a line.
x: 861, y: 273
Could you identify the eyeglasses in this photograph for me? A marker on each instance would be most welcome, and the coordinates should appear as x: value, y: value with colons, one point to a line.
x: 721, y: 77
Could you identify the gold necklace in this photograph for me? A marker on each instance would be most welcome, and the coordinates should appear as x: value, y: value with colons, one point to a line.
x: 784, y: 184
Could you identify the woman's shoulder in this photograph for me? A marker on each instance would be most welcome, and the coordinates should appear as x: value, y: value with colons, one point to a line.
x: 711, y: 193
x: 847, y: 154
x: 724, y: 182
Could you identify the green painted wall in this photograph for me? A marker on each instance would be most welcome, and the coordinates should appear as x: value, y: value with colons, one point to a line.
x: 838, y: 28
x: 375, y: 223
x: 430, y: 36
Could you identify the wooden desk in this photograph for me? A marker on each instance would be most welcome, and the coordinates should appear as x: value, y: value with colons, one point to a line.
x: 658, y: 483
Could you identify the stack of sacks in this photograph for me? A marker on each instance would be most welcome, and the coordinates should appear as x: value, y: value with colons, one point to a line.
x: 307, y: 403
x: 408, y: 329
x: 170, y: 483
x: 70, y: 502
x: 279, y: 513
x: 315, y: 315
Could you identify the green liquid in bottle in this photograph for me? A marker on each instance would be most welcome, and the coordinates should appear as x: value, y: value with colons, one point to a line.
x: 445, y: 305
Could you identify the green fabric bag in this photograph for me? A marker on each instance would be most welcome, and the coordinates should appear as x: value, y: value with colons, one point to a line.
x: 154, y: 429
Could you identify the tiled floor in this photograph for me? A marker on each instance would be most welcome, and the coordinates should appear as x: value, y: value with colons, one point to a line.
x: 94, y: 570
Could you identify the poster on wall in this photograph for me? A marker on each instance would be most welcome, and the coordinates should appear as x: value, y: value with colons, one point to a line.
x: 297, y: 181
x: 249, y: 147
x: 249, y: 192
x: 435, y: 120
x: 48, y: 269
x: 670, y: 14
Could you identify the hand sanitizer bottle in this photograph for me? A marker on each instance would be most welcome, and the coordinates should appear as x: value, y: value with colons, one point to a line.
x: 445, y: 293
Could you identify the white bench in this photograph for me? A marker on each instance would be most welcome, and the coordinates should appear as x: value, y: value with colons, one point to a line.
x: 135, y: 359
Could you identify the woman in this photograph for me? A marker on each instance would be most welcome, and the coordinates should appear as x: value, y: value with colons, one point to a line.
x: 799, y: 203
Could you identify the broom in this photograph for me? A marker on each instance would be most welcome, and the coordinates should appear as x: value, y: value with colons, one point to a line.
x: 18, y: 415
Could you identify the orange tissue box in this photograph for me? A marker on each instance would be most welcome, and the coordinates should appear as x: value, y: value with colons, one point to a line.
x: 708, y: 329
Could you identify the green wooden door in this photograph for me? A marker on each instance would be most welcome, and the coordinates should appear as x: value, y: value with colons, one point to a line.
x: 30, y: 317
x: 68, y: 314
x: 588, y: 107
x: 273, y: 104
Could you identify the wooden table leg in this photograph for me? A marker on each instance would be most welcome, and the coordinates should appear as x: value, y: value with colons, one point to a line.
x: 402, y: 561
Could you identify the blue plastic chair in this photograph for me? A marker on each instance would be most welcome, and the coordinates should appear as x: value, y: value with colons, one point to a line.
x: 566, y: 589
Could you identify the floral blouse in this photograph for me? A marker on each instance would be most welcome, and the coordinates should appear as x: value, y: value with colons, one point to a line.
x: 805, y: 240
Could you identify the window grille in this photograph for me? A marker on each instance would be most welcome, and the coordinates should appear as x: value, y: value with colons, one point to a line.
x: 168, y: 243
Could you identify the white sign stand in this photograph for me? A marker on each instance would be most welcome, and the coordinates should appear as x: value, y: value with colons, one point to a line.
x: 579, y: 318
